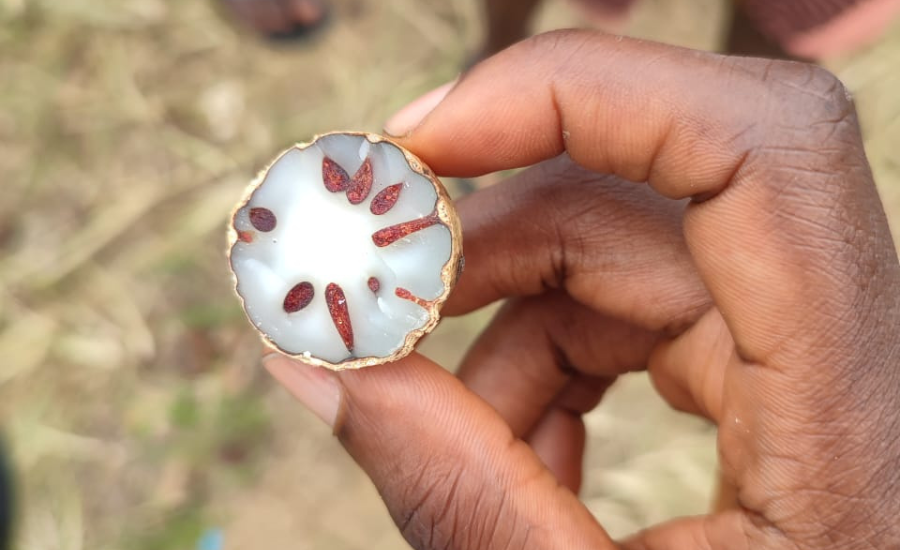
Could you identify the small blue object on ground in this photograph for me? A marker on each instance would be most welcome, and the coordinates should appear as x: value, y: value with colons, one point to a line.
x: 211, y: 539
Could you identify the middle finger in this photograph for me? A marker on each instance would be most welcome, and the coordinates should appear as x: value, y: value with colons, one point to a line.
x: 610, y: 244
x: 536, y: 347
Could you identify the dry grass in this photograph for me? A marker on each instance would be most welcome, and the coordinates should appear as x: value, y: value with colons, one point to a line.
x: 128, y: 387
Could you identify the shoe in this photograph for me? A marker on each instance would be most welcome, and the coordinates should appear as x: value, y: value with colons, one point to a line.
x: 6, y: 500
x: 280, y: 20
x: 816, y: 29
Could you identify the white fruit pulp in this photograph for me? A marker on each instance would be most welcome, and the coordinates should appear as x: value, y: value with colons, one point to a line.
x: 321, y: 238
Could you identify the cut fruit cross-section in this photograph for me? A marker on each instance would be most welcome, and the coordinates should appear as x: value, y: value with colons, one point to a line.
x: 344, y: 250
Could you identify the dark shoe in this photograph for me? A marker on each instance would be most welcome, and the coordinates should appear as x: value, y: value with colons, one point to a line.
x: 280, y: 20
x: 816, y: 30
x: 6, y: 499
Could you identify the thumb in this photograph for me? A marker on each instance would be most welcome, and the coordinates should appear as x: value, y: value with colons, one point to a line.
x: 446, y: 465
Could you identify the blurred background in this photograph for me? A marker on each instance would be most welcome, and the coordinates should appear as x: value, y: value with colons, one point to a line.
x: 131, y: 399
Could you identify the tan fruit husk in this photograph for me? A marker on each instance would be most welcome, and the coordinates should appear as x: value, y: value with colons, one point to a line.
x: 449, y: 273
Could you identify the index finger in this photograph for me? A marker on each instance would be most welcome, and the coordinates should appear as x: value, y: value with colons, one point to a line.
x: 787, y: 230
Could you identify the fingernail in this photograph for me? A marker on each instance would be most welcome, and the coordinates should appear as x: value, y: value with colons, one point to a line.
x: 406, y: 119
x: 315, y: 387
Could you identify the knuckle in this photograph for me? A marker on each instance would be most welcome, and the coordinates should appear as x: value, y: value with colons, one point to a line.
x: 437, y: 509
x: 808, y: 95
x: 555, y: 40
x: 562, y: 49
x: 807, y: 105
x: 834, y: 99
x: 809, y: 163
x: 425, y: 501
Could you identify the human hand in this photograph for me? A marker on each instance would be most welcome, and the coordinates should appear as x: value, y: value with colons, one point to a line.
x: 768, y: 300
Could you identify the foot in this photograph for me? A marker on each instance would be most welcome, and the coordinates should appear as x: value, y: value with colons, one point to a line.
x: 609, y: 15
x: 280, y: 19
x: 815, y: 30
x: 509, y: 21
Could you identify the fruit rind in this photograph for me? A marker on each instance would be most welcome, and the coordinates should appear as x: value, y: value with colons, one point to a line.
x: 450, y: 271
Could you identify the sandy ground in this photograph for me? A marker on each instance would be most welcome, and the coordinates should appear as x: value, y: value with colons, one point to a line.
x: 129, y: 388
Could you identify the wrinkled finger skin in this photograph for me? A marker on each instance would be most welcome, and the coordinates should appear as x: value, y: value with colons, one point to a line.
x: 785, y: 229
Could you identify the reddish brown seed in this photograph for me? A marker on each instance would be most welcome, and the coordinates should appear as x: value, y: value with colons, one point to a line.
x: 374, y: 284
x: 361, y: 184
x: 245, y: 236
x: 340, y: 315
x: 388, y: 235
x: 334, y: 177
x: 407, y: 295
x: 262, y: 219
x: 298, y: 297
x: 385, y: 199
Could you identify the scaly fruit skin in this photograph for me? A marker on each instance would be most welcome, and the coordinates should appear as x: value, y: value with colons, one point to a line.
x: 357, y: 188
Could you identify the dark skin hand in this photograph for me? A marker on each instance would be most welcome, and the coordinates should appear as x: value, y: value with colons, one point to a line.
x: 753, y: 276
